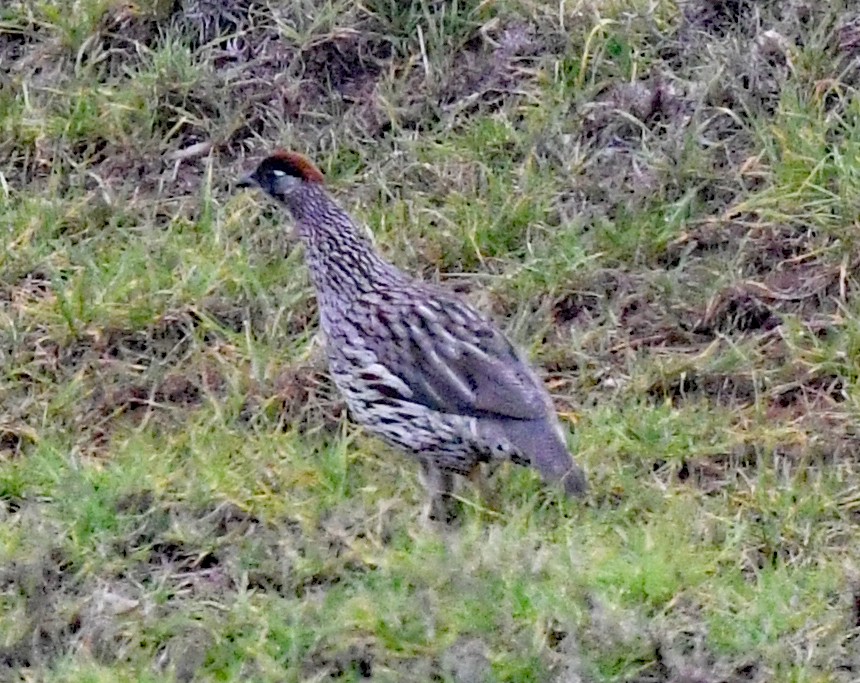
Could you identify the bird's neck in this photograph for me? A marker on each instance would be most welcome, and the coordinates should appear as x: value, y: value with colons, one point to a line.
x: 342, y: 262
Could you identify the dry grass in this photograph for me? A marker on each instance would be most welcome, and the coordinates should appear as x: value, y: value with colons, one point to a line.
x: 657, y: 199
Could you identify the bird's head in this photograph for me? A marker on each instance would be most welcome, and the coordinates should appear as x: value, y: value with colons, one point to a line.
x: 283, y: 174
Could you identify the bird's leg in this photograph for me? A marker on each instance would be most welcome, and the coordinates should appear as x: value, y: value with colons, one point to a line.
x: 441, y: 506
x: 480, y: 479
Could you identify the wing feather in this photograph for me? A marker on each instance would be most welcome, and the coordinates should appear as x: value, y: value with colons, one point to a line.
x: 455, y: 361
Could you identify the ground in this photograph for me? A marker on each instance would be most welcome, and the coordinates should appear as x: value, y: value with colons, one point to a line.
x: 657, y: 199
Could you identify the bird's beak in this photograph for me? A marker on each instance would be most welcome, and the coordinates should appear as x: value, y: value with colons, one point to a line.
x: 247, y: 181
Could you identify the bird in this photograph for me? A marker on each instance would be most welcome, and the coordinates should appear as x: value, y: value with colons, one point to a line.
x: 417, y: 365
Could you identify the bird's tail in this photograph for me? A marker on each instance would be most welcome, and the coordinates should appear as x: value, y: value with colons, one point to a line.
x: 543, y: 446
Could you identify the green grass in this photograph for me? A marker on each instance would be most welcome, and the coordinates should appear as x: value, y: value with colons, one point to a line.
x: 658, y: 202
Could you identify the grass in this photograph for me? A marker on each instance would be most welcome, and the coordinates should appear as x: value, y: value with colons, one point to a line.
x: 657, y: 200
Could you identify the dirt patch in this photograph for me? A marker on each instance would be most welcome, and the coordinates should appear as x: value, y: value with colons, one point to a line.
x: 737, y: 309
x: 354, y: 661
x: 787, y: 390
x: 848, y: 43
x: 707, y: 238
x: 214, y: 21
x: 816, y: 391
x: 167, y: 341
x: 589, y: 302
x: 713, y: 475
x: 786, y: 269
x: 10, y: 504
x: 23, y: 45
x: 718, y: 17
x: 30, y: 287
x: 124, y: 377
x: 201, y: 551
x: 820, y: 439
x: 302, y: 397
x: 617, y: 316
x: 15, y: 438
x: 750, y: 44
x: 649, y: 322
x: 766, y: 247
x: 623, y: 111
x: 123, y: 30
x: 175, y: 389
x: 168, y: 337
x: 634, y: 133
x: 215, y: 550
x: 639, y: 313
x: 492, y: 68
x: 49, y: 587
x: 811, y: 289
x: 466, y: 660
x: 347, y: 63
x: 721, y: 388
x: 121, y: 400
x: 112, y: 372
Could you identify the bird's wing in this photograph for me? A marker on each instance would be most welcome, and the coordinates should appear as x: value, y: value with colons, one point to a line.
x: 453, y: 360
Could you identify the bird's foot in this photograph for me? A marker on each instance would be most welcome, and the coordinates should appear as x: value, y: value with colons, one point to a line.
x: 442, y: 507
x: 480, y: 477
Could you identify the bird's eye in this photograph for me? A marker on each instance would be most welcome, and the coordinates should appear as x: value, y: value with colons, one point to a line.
x: 278, y: 173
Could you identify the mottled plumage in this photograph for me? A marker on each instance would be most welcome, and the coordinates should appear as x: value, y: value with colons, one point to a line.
x: 418, y: 366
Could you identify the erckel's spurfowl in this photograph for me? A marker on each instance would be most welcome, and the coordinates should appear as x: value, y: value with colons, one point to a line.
x: 417, y: 365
